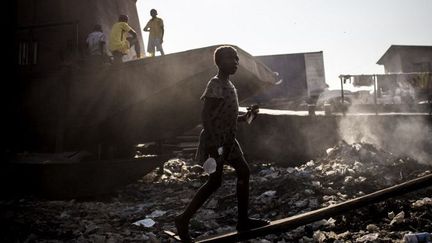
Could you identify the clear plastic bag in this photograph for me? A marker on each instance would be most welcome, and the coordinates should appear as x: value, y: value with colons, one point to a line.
x: 209, y: 165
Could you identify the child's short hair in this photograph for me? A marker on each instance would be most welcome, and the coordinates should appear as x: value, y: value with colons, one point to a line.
x: 97, y: 27
x: 123, y: 18
x: 222, y: 50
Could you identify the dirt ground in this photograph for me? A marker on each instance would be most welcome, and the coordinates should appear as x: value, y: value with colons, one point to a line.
x: 141, y: 211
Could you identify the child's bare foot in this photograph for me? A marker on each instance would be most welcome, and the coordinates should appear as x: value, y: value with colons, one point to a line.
x: 251, y: 223
x: 182, y: 229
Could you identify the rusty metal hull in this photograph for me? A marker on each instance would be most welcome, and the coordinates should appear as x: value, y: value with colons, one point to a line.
x: 71, y: 179
x: 138, y: 101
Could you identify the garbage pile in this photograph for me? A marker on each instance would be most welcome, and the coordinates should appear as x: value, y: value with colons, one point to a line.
x: 141, y: 211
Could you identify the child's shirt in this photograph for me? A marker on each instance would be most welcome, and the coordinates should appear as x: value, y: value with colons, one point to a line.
x: 93, y: 42
x: 118, y: 37
x: 223, y: 119
x: 156, y: 25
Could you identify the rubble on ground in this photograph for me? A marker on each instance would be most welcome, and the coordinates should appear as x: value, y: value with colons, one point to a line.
x: 141, y: 211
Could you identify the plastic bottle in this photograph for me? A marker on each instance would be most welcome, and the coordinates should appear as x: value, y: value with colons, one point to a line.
x: 422, y: 237
x: 209, y: 165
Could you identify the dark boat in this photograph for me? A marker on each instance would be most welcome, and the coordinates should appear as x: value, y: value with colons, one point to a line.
x: 138, y: 101
x: 81, y: 108
x: 66, y: 176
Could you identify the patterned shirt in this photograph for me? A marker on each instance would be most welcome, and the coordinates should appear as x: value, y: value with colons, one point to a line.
x: 93, y: 42
x: 222, y: 120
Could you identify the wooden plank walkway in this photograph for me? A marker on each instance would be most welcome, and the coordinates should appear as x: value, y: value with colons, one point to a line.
x: 286, y: 224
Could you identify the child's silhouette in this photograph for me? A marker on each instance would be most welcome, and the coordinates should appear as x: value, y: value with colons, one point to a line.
x: 218, y: 140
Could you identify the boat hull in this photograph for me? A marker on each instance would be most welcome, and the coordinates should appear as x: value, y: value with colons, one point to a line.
x: 139, y: 101
x: 74, y: 179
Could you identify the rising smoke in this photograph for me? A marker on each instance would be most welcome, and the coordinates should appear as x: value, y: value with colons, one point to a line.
x: 403, y: 135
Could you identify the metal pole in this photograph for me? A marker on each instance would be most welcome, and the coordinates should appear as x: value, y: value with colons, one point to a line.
x: 76, y: 36
x: 342, y: 90
x: 375, y: 94
x: 342, y: 78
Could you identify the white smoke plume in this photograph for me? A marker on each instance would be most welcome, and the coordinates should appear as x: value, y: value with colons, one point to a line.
x: 404, y: 135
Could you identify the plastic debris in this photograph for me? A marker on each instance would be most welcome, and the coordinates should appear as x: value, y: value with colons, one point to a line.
x: 145, y: 222
x: 368, y: 238
x: 156, y: 213
x: 276, y: 192
x: 210, y: 165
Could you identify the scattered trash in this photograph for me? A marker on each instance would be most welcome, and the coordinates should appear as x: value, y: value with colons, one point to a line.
x: 423, y: 202
x: 145, y: 222
x: 269, y: 193
x: 423, y: 237
x: 209, y: 165
x: 391, y: 215
x: 156, y: 213
x: 372, y: 228
x: 368, y: 238
x: 346, y: 172
x: 329, y: 151
x: 399, y: 218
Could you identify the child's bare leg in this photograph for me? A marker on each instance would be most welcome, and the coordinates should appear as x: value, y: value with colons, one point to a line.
x: 161, y: 50
x: 244, y: 222
x: 118, y: 57
x: 243, y: 173
x: 242, y: 170
x: 213, y: 183
x: 134, y: 42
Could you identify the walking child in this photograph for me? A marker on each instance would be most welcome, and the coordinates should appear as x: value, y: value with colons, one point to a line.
x: 218, y: 140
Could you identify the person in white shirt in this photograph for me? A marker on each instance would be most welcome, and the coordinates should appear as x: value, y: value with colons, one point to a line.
x: 96, y: 45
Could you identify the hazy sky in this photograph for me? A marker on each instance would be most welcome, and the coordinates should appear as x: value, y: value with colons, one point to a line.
x: 352, y: 34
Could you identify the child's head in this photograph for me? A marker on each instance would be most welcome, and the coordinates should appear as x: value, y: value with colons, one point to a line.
x: 226, y: 58
x: 123, y: 18
x: 97, y: 27
x: 153, y: 13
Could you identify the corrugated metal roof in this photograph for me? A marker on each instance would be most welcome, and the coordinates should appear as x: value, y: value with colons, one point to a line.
x: 394, y: 48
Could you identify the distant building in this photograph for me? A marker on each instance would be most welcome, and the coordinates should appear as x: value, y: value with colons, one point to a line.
x: 408, y: 73
x: 407, y: 78
x: 407, y: 59
x: 302, y: 75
